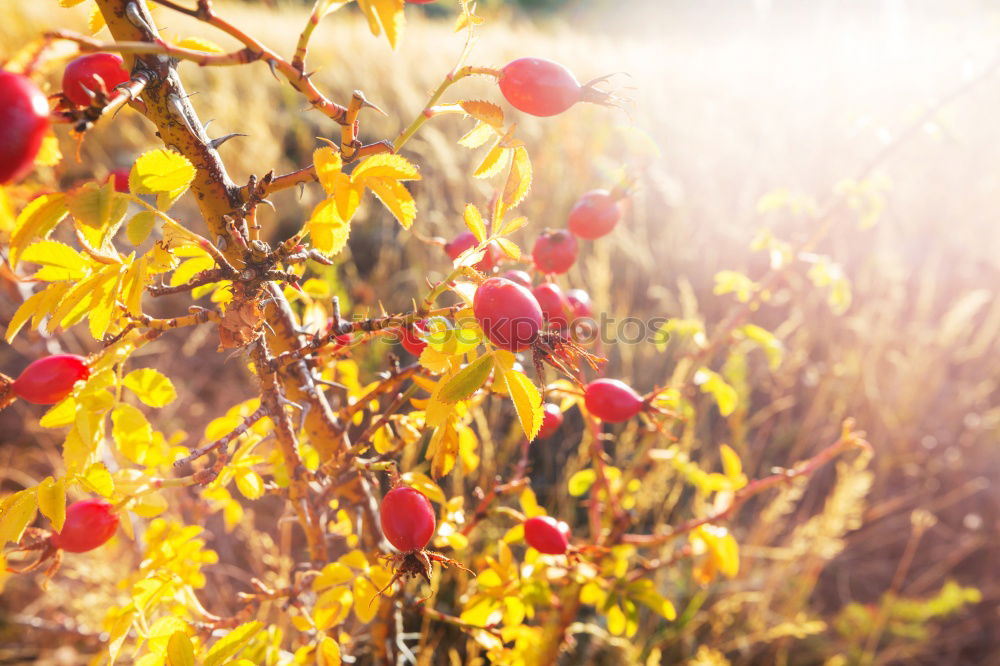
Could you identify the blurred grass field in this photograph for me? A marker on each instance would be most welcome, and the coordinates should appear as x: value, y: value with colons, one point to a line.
x: 740, y: 103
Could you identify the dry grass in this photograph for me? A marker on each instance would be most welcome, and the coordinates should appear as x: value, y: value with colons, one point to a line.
x: 739, y: 106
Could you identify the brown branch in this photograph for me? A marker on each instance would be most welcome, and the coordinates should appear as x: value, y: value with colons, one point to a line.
x: 204, y: 59
x: 299, y: 80
x: 848, y: 440
x: 225, y: 440
x: 202, y: 278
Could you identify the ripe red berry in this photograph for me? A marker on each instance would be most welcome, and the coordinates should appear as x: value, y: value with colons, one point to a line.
x: 508, y: 314
x: 579, y: 303
x: 89, y: 524
x: 48, y: 380
x: 555, y: 251
x: 594, y: 215
x: 553, y: 302
x: 612, y: 400
x: 412, y: 339
x: 539, y: 87
x: 95, y: 72
x: 547, y: 535
x: 464, y: 241
x: 520, y: 277
x: 120, y: 179
x: 407, y: 518
x: 551, y: 420
x: 24, y: 120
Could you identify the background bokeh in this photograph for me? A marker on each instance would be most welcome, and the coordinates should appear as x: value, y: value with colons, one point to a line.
x: 741, y: 100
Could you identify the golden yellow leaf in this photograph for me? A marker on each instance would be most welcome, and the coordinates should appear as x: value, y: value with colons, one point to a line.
x: 328, y: 229
x: 518, y: 179
x: 16, y: 513
x: 37, y: 220
x: 474, y: 221
x: 486, y: 112
x: 52, y: 501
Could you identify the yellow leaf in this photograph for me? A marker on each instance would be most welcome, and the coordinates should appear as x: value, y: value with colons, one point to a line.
x: 616, y: 620
x: 227, y: 646
x: 37, y: 220
x: 132, y: 433
x: 69, y: 3
x: 121, y: 623
x: 732, y: 467
x: 49, y: 153
x: 328, y: 229
x: 467, y: 381
x: 150, y: 386
x: 96, y: 20
x: 138, y: 228
x: 180, y: 651
x: 443, y: 449
x: 396, y: 198
x: 161, y: 171
x: 16, y: 513
x: 64, y: 262
x: 511, y: 226
x: 200, y: 44
x: 364, y: 592
x: 519, y: 179
x: 477, y: 136
x: 425, y: 485
x: 98, y: 212
x: 38, y: 304
x: 385, y: 13
x: 105, y: 304
x: 328, y: 164
x: 97, y: 479
x: 509, y: 248
x: 249, y: 483
x: 474, y: 222
x: 712, y: 383
x: 494, y: 162
x: 328, y: 653
x: 385, y: 165
x: 52, y: 501
x: 485, y: 112
x: 527, y: 401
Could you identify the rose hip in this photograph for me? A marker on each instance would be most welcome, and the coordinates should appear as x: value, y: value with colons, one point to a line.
x: 89, y: 524
x: 552, y: 419
x: 612, y: 400
x: 94, y: 72
x: 547, y: 535
x: 555, y: 251
x: 48, y: 380
x: 407, y: 518
x: 508, y: 314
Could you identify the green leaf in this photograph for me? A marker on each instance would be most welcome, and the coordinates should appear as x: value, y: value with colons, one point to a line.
x: 468, y: 380
x: 150, y: 386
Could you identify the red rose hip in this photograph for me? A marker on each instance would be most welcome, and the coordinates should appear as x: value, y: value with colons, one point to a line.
x: 89, y: 524
x: 520, y: 277
x: 594, y: 215
x: 553, y: 302
x: 120, y: 179
x: 538, y: 86
x: 579, y: 303
x: 551, y: 420
x: 555, y: 251
x: 407, y: 518
x: 94, y: 72
x: 612, y: 400
x: 546, y: 535
x: 412, y: 339
x: 508, y: 314
x: 48, y: 380
x: 24, y: 120
x: 464, y: 241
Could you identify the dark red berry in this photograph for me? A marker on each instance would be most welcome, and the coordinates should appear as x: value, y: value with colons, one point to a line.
x: 539, y: 87
x: 97, y: 72
x: 520, y: 277
x: 412, y: 339
x: 551, y: 420
x: 464, y: 241
x: 555, y: 251
x: 89, y: 524
x: 547, y: 535
x: 508, y: 314
x: 579, y: 304
x: 407, y: 518
x: 48, y: 380
x: 553, y: 302
x: 594, y: 215
x: 120, y: 179
x: 612, y: 400
x: 24, y: 120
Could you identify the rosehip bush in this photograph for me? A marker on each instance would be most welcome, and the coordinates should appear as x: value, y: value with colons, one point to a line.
x: 347, y: 493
